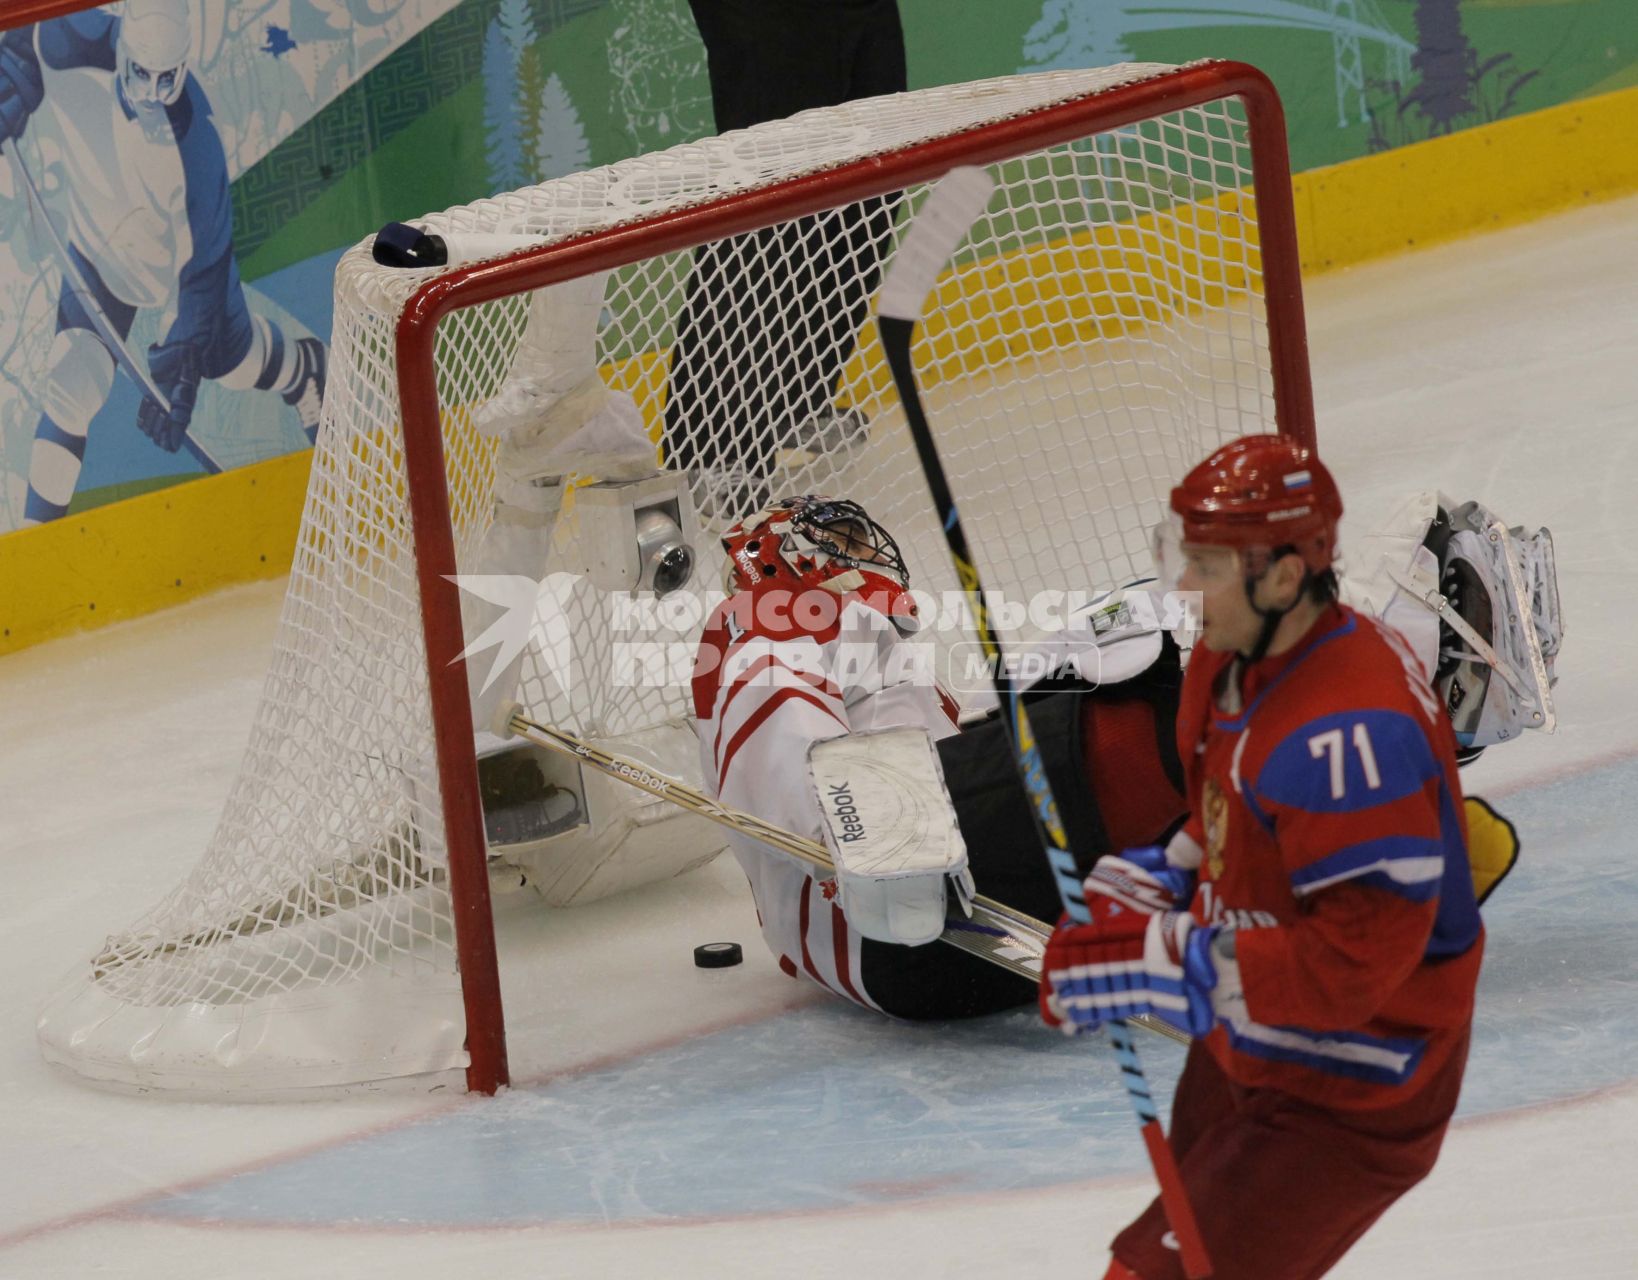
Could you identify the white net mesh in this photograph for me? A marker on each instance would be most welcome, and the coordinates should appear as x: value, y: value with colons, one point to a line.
x: 1102, y: 326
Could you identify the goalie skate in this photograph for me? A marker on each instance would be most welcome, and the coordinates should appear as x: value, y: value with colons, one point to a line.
x: 1500, y: 626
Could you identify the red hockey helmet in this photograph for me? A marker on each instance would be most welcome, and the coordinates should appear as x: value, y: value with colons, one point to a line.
x: 811, y: 541
x: 1262, y: 492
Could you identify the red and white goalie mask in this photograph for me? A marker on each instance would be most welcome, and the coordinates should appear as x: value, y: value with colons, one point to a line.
x: 153, y: 45
x: 828, y: 544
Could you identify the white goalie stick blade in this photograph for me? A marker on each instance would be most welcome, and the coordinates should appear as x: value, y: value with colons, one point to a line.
x: 995, y: 932
x: 945, y: 217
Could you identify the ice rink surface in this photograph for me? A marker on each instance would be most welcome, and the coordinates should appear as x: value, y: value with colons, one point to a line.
x: 732, y: 1123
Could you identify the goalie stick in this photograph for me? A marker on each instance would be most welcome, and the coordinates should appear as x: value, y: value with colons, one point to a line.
x: 950, y: 209
x: 995, y: 932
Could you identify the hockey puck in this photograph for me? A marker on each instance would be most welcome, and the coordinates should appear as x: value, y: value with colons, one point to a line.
x: 718, y: 955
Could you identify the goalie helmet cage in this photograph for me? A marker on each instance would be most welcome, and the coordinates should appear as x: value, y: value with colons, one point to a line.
x: 1129, y: 300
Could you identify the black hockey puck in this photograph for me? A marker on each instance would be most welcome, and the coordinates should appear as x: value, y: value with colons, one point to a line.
x: 718, y: 955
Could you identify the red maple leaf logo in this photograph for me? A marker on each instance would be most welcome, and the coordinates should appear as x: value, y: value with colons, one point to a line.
x: 830, y: 889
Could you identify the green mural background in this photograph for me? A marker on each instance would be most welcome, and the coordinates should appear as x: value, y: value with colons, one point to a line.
x: 629, y: 76
x: 472, y: 97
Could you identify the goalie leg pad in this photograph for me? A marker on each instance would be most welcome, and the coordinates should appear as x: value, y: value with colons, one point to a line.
x: 892, y: 832
x: 557, y: 355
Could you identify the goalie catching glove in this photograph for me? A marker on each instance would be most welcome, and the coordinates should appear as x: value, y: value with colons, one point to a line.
x: 1478, y: 602
x: 892, y: 833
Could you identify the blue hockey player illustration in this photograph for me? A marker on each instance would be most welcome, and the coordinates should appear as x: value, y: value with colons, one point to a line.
x: 147, y: 222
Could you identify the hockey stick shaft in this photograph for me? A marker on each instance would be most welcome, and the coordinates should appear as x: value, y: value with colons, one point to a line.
x: 995, y: 932
x: 943, y: 221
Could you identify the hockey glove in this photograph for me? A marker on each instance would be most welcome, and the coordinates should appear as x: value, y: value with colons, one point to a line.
x: 1129, y: 962
x: 175, y: 370
x: 1141, y: 880
x: 21, y: 90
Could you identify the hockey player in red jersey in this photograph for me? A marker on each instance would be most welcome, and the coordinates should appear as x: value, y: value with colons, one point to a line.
x: 1314, y: 923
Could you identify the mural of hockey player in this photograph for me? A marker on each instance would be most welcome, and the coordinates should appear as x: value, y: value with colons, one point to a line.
x: 771, y: 682
x: 148, y: 224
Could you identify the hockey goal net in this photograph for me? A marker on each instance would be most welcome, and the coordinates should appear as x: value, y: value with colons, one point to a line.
x: 1129, y: 299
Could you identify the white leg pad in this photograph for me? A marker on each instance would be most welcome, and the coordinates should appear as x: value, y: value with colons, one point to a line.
x: 558, y: 353
x: 892, y: 832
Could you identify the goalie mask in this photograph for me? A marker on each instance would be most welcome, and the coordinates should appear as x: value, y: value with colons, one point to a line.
x: 827, y: 543
x: 154, y: 36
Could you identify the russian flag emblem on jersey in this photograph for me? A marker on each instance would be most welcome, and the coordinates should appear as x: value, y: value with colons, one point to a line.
x: 1298, y: 480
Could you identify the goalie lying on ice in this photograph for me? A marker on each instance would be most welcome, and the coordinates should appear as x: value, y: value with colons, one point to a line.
x: 806, y: 669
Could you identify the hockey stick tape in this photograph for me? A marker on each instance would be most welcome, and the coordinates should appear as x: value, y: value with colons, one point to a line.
x: 500, y: 721
x: 945, y: 217
x: 477, y: 246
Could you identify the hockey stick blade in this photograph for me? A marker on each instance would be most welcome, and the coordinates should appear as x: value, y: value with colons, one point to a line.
x: 948, y: 213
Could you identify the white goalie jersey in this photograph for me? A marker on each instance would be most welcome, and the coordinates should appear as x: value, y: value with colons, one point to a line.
x: 765, y: 690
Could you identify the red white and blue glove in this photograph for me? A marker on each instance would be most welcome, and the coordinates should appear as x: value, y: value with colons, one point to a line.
x: 1144, y: 880
x: 1129, y: 962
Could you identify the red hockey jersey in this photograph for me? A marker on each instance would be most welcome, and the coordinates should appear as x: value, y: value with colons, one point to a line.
x: 1334, y: 840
